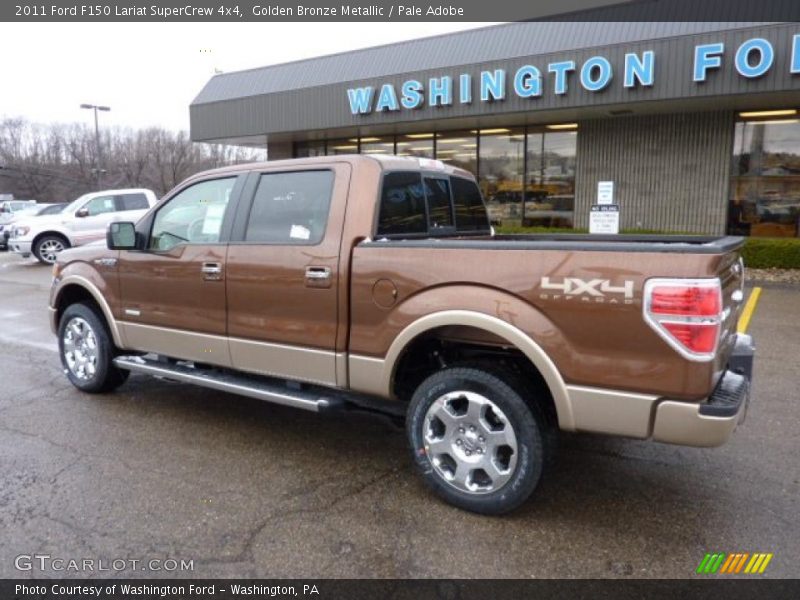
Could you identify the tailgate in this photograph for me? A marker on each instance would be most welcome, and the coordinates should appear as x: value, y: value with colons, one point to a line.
x: 731, y: 275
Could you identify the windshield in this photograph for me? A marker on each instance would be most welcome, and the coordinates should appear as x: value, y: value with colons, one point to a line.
x: 75, y: 204
x: 53, y: 209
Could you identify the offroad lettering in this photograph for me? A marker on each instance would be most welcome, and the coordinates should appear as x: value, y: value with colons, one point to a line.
x: 570, y: 287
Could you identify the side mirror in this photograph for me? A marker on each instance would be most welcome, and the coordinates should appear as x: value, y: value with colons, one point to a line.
x: 83, y: 212
x: 121, y: 236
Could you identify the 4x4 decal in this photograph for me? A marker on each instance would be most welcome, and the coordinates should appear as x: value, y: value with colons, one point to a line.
x: 591, y: 290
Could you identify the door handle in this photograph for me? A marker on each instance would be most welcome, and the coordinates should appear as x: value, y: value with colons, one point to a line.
x: 318, y: 277
x: 212, y: 271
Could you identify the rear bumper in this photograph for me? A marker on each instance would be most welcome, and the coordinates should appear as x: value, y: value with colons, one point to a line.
x: 710, y: 423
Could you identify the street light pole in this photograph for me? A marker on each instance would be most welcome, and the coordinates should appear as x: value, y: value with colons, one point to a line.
x: 99, y: 168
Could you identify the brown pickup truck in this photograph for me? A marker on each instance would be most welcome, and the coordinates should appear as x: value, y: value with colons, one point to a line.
x: 377, y: 283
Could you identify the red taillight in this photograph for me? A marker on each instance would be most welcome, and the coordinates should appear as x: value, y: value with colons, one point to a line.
x: 696, y: 338
x: 685, y: 300
x: 686, y: 313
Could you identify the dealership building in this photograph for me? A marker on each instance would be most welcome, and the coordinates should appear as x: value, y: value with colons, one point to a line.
x: 686, y: 126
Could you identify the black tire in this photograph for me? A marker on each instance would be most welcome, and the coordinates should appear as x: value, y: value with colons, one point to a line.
x: 41, y: 248
x: 92, y: 376
x: 505, y: 393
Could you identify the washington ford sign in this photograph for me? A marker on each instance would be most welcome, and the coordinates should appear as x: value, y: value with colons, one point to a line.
x: 751, y: 59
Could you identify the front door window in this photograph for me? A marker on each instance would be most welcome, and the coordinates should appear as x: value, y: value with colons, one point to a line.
x: 193, y: 216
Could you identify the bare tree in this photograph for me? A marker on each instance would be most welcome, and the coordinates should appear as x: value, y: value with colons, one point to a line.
x: 56, y: 162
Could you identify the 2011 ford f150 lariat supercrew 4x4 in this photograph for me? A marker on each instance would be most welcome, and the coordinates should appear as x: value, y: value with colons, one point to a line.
x: 378, y: 283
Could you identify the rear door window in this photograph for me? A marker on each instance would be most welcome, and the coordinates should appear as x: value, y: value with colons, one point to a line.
x: 402, y: 209
x: 136, y: 201
x: 291, y: 208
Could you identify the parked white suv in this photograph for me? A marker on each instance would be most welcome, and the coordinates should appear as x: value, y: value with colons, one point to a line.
x: 84, y: 220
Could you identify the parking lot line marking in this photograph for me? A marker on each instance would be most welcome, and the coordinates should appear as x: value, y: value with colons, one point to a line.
x: 748, y: 311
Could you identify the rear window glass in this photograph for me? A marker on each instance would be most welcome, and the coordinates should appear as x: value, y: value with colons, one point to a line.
x: 470, y: 211
x: 291, y: 208
x: 136, y: 201
x: 402, y: 208
x: 440, y: 213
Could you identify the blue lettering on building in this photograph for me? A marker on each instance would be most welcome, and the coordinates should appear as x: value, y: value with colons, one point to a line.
x: 528, y: 82
x: 596, y: 74
x: 641, y: 69
x: 756, y: 46
x: 796, y: 54
x: 707, y: 56
x: 387, y: 99
x: 412, y: 94
x: 752, y: 59
x: 465, y: 89
x: 440, y: 91
x: 493, y: 85
x: 360, y: 100
x: 560, y: 69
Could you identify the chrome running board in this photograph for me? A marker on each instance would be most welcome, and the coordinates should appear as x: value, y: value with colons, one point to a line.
x: 225, y: 381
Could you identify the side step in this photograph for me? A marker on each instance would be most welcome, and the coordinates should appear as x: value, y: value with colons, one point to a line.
x: 253, y: 387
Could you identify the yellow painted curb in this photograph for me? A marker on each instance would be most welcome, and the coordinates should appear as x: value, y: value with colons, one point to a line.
x: 748, y: 311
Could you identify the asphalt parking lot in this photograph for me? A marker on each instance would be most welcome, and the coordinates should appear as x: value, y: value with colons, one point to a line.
x: 242, y: 488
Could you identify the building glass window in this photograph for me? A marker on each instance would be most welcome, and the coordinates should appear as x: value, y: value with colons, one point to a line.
x: 459, y: 149
x: 306, y: 149
x: 345, y: 146
x: 550, y: 179
x: 415, y: 144
x: 470, y: 213
x: 501, y: 169
x: 377, y: 145
x: 537, y: 163
x: 765, y: 183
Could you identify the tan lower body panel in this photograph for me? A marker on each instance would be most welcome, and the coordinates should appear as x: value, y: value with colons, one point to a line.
x: 176, y: 343
x: 277, y: 360
x: 681, y: 423
x: 366, y: 375
x: 291, y: 362
x: 612, y: 412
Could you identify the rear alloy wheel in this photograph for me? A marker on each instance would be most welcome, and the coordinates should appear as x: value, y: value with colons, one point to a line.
x: 475, y: 440
x: 48, y: 248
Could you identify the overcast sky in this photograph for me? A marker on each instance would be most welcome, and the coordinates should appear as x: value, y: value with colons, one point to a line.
x: 149, y: 72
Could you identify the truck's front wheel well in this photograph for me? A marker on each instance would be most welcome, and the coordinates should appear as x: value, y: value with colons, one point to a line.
x: 450, y: 346
x: 74, y: 294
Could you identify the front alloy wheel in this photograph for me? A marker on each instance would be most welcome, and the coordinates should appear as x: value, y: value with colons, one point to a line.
x: 80, y: 349
x: 476, y: 440
x: 87, y: 350
x: 48, y: 248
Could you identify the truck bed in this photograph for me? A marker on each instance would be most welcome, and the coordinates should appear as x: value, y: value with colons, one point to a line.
x: 680, y: 244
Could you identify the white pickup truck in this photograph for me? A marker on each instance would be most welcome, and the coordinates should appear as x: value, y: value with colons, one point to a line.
x: 84, y: 220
